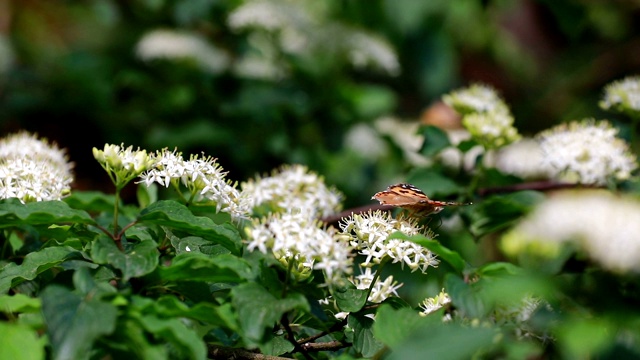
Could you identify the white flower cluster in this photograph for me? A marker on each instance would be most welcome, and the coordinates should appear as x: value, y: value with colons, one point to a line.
x: 293, y: 188
x: 302, y: 245
x: 587, y: 152
x: 523, y: 158
x: 203, y: 177
x: 381, y: 290
x: 430, y: 305
x: 604, y: 226
x: 31, y: 169
x: 172, y: 45
x: 476, y: 98
x: 485, y: 115
x: 303, y: 29
x: 122, y: 164
x: 369, y: 234
x: 623, y: 95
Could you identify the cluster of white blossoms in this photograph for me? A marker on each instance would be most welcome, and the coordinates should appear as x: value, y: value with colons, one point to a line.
x: 291, y: 200
x: 122, y: 164
x: 586, y: 152
x: 176, y: 45
x: 623, y: 96
x: 430, y: 305
x: 202, y: 176
x: 302, y: 245
x: 604, y: 226
x: 303, y: 28
x: 31, y: 169
x: 368, y: 234
x: 523, y: 158
x: 381, y: 290
x: 484, y: 114
x: 294, y: 188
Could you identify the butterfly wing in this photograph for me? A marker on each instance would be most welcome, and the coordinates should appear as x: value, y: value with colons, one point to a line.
x: 409, y: 197
x: 400, y: 195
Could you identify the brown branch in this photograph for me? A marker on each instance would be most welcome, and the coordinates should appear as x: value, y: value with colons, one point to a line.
x: 291, y: 337
x: 335, y: 327
x: 325, y: 346
x: 535, y: 185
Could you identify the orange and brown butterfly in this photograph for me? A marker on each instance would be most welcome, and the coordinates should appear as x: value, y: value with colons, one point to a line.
x: 411, y: 198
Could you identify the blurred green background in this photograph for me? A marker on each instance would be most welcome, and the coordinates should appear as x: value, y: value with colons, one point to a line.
x: 261, y: 83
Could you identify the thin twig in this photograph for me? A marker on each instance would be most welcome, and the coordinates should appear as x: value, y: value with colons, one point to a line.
x: 291, y: 337
x: 535, y: 185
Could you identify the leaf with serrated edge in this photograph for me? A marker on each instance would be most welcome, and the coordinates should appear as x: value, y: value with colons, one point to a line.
x: 178, y: 217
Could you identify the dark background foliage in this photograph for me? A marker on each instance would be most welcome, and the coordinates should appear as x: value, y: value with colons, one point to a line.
x: 75, y: 78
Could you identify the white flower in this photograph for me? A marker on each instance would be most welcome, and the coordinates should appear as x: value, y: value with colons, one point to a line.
x: 491, y: 129
x: 604, y: 226
x: 485, y: 115
x: 366, y: 49
x: 587, y: 152
x: 405, y: 135
x: 173, y: 44
x: 381, y: 290
x: 304, y: 29
x: 365, y: 141
x: 623, y: 95
x: 122, y: 164
x: 293, y: 187
x: 369, y: 234
x: 476, y: 98
x: 301, y: 244
x: 203, y: 177
x: 430, y: 305
x: 524, y: 159
x: 32, y: 169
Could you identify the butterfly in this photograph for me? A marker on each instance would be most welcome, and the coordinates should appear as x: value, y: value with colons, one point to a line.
x: 411, y: 198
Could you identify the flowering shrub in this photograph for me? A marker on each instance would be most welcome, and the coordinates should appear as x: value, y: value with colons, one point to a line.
x: 205, y: 267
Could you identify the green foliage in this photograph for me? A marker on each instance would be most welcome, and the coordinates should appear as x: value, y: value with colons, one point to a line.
x: 140, y: 274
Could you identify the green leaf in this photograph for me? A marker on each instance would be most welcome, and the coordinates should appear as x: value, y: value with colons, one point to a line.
x: 435, y: 140
x: 501, y: 211
x: 349, y: 298
x: 277, y: 345
x: 363, y: 340
x: 465, y: 297
x: 393, y: 327
x: 92, y: 201
x: 140, y: 259
x: 219, y: 315
x: 506, y: 288
x: 19, y: 342
x: 200, y: 267
x: 258, y: 310
x: 183, y: 338
x: 19, y: 303
x: 14, y: 213
x: 75, y: 322
x: 178, y: 217
x: 466, y: 145
x: 443, y: 341
x: 34, y: 264
x: 581, y: 338
x: 198, y: 245
x: 451, y: 257
x: 146, y: 194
